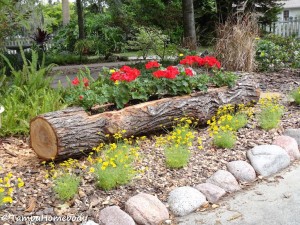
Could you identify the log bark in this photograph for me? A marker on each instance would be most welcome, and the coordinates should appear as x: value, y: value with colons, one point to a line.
x: 68, y: 133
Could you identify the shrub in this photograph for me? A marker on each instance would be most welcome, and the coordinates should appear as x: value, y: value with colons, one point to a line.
x: 28, y: 95
x: 66, y: 186
x: 235, y: 44
x: 296, y: 95
x: 221, y: 78
x: 271, y: 112
x: 224, y: 139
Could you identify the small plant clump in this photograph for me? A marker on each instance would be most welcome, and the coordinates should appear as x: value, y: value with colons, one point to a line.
x: 270, y: 112
x: 296, y: 95
x: 229, y: 119
x: 66, y: 182
x: 7, y: 188
x: 177, y: 143
x: 113, y: 164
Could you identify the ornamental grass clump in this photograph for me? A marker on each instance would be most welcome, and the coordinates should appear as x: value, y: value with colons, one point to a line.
x: 113, y: 164
x: 7, y: 187
x: 176, y: 144
x: 270, y: 112
x: 228, y: 120
x: 295, y: 94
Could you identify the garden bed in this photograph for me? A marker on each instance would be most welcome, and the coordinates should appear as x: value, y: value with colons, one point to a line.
x: 156, y: 178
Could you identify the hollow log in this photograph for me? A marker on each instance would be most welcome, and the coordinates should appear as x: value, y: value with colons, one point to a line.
x: 70, y: 132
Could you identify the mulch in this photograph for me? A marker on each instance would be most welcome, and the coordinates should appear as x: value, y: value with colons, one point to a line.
x: 37, y: 197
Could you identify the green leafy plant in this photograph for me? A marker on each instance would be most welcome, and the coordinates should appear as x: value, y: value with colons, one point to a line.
x: 224, y: 139
x: 176, y: 144
x: 66, y: 186
x: 28, y: 95
x: 114, y: 163
x: 223, y: 78
x: 296, y: 95
x: 271, y: 112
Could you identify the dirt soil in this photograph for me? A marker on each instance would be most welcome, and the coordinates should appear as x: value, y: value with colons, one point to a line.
x: 37, y: 197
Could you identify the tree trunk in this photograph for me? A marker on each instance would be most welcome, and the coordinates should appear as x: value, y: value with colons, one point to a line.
x: 80, y: 19
x: 189, y: 39
x: 65, y: 12
x: 70, y: 132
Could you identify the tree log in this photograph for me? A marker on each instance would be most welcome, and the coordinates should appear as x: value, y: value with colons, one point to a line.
x: 68, y: 133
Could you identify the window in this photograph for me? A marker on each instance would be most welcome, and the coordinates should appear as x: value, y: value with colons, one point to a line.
x: 286, y: 14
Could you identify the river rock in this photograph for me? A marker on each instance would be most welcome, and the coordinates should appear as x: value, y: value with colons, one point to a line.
x: 225, y: 180
x: 212, y: 192
x: 184, y: 200
x: 268, y: 159
x: 289, y: 144
x: 242, y: 171
x: 146, y: 209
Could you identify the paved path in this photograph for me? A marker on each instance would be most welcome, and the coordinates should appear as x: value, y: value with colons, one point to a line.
x: 272, y: 202
x: 62, y: 72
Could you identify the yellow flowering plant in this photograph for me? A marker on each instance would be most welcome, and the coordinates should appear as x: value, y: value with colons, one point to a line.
x: 176, y: 143
x: 113, y: 164
x: 7, y: 187
x: 270, y: 112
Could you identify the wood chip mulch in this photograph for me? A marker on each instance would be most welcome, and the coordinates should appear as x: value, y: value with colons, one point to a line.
x: 37, y: 197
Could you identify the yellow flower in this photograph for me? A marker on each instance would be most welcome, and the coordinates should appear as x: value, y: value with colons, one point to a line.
x: 112, y: 71
x: 7, y: 199
x: 117, y: 82
x: 92, y: 170
x: 181, y: 55
x: 1, y: 190
x: 10, y: 191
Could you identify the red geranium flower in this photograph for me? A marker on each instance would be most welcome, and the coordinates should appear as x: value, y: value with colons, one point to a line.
x: 125, y: 73
x: 85, y: 81
x: 80, y: 97
x: 171, y: 72
x: 188, y: 72
x: 75, y: 81
x: 211, y: 62
x: 152, y: 64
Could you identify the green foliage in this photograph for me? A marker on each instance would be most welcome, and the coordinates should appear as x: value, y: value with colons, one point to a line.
x: 66, y: 186
x: 146, y: 86
x: 222, y: 78
x: 114, y: 164
x: 27, y: 95
x: 224, y: 139
x: 295, y: 95
x: 271, y: 112
x: 275, y: 52
x: 176, y: 144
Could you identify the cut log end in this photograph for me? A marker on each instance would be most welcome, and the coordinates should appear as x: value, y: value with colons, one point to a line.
x: 43, y: 139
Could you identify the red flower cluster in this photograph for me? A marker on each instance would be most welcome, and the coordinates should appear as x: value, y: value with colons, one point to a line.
x: 188, y: 72
x: 152, y: 64
x: 125, y: 73
x: 171, y: 72
x: 76, y: 81
x: 197, y: 60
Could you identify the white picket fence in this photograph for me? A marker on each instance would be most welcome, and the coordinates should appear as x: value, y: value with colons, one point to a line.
x: 12, y: 43
x: 284, y: 28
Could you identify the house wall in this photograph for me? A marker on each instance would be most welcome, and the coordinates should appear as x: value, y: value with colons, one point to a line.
x: 295, y: 12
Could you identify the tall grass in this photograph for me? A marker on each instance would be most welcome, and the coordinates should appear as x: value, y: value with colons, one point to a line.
x: 26, y: 94
x: 236, y: 41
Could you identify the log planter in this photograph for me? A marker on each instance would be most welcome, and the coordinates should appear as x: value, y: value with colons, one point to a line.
x: 70, y: 132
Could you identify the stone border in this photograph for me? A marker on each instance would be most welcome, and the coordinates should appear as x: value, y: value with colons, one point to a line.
x: 265, y: 160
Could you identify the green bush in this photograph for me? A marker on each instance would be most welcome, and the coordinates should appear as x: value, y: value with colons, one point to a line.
x: 27, y: 95
x: 295, y: 95
x: 274, y: 53
x: 224, y: 139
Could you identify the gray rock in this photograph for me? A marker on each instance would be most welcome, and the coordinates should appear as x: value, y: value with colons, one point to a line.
x: 289, y: 144
x: 146, y: 209
x: 184, y: 200
x: 268, y: 159
x: 225, y: 180
x: 242, y: 171
x: 212, y: 192
x: 89, y: 222
x: 113, y: 215
x: 294, y: 133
